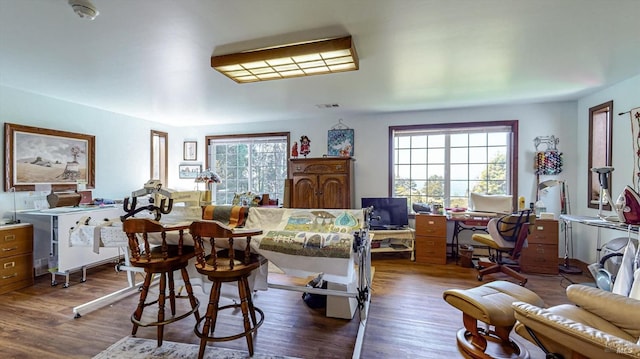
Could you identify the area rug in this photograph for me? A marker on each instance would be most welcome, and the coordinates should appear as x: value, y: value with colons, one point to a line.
x: 139, y: 348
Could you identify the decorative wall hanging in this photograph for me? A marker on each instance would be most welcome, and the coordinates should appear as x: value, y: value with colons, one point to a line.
x: 634, y: 115
x: 340, y: 140
x: 36, y: 155
x: 549, y: 161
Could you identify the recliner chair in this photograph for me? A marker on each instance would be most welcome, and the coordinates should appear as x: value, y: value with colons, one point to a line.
x: 507, y: 236
x: 599, y: 324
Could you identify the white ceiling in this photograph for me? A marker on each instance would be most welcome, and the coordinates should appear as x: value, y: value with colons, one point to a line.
x: 151, y: 58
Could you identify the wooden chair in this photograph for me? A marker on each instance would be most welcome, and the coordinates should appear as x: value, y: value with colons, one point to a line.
x: 227, y: 265
x: 505, y: 240
x: 161, y: 259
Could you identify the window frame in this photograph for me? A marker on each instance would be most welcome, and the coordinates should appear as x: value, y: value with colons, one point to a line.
x: 164, y: 154
x: 512, y: 160
x: 232, y: 137
x: 599, y: 142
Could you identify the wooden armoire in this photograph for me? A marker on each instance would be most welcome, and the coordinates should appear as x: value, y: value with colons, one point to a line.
x: 325, y: 182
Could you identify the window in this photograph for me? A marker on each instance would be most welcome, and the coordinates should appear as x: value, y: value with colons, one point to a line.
x: 600, y: 141
x: 254, y: 163
x: 443, y: 163
x: 159, y: 159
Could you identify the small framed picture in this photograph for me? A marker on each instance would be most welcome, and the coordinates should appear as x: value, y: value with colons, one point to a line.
x: 190, y: 150
x: 189, y: 171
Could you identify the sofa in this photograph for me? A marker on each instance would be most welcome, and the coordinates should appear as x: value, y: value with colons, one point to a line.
x: 599, y: 324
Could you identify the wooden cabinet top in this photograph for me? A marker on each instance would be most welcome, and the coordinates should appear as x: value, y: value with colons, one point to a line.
x: 321, y: 165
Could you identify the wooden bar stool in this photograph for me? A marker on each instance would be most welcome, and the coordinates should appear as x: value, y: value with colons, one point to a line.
x: 161, y: 259
x: 227, y: 265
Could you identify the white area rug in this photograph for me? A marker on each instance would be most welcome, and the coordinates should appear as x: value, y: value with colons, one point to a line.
x: 138, y: 348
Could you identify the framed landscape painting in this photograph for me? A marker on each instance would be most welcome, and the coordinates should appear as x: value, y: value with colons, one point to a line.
x: 35, y: 156
x: 189, y: 171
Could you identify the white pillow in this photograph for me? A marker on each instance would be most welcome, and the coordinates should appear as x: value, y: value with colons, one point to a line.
x: 490, y: 203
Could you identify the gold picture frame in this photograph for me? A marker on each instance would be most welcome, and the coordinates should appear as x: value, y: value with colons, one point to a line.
x: 35, y: 156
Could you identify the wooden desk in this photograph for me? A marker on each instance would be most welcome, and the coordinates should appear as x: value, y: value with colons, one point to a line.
x: 461, y: 223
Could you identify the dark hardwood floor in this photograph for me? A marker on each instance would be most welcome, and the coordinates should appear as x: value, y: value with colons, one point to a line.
x: 408, y: 317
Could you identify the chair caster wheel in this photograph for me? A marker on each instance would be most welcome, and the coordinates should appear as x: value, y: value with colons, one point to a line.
x: 479, y: 278
x: 54, y: 283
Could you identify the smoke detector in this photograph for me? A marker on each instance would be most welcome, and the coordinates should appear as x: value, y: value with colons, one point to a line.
x: 84, y: 8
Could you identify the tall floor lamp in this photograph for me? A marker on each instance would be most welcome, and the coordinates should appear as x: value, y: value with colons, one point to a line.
x: 565, y: 208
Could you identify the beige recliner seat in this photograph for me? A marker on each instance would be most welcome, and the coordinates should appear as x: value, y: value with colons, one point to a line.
x: 599, y: 324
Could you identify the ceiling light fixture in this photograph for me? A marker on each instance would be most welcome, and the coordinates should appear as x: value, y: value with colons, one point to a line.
x: 84, y: 8
x: 295, y: 60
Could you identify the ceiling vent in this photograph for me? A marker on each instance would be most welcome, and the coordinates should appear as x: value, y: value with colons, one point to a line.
x: 84, y: 8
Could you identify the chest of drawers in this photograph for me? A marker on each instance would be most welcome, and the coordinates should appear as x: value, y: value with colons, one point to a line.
x: 541, y: 254
x: 431, y: 239
x: 16, y: 257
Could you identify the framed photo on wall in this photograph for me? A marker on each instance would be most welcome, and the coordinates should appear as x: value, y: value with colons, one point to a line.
x: 190, y: 150
x: 35, y: 156
x: 189, y: 171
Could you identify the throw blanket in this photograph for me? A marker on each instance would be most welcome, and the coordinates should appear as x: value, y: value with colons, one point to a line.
x: 96, y: 234
x: 304, y: 242
x: 235, y: 216
x: 313, y: 233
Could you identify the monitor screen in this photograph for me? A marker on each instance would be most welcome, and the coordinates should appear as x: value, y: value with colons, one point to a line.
x: 388, y: 212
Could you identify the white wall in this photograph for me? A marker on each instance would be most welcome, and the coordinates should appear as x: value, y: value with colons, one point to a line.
x: 122, y: 143
x: 625, y: 97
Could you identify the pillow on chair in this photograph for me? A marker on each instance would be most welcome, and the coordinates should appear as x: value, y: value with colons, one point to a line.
x: 490, y: 203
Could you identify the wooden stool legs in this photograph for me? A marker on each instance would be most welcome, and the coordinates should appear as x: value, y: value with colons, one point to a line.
x: 250, y: 320
x: 136, y: 317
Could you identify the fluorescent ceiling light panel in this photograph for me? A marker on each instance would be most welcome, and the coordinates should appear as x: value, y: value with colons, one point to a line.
x: 302, y: 59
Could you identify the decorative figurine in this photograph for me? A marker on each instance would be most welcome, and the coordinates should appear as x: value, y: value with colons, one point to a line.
x: 345, y: 151
x: 305, y: 145
x: 294, y: 150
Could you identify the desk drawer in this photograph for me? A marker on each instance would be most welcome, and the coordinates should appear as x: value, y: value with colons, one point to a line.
x: 16, y: 272
x: 431, y: 249
x: 16, y: 241
x: 539, y: 258
x: 543, y: 232
x: 428, y: 225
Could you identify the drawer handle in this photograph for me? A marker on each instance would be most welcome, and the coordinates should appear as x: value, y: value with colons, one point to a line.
x: 10, y: 237
x: 9, y: 249
x: 431, y: 222
x: 540, y: 228
x: 9, y: 265
x: 431, y: 243
x: 10, y: 276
